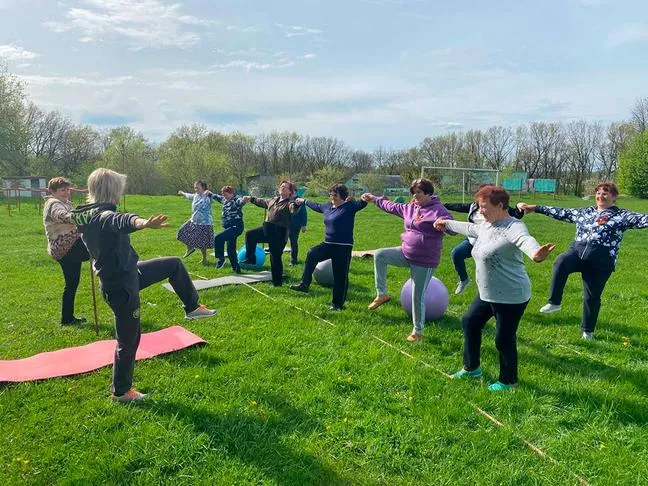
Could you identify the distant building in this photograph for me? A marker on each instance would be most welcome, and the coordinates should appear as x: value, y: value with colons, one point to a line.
x: 389, y: 184
x: 27, y: 182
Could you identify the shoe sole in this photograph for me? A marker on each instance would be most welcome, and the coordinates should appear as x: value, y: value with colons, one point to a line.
x: 551, y: 311
x: 375, y: 305
x: 305, y: 291
x: 193, y: 318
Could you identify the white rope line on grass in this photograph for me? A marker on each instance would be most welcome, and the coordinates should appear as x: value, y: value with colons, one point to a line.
x: 535, y: 449
x: 490, y: 417
x: 196, y: 275
x: 585, y: 355
x: 291, y: 305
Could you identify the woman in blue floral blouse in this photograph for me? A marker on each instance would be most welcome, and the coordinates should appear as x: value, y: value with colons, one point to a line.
x: 599, y: 230
x: 198, y: 232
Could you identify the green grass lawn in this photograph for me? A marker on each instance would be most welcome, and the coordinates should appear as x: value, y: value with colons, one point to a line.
x: 289, y: 392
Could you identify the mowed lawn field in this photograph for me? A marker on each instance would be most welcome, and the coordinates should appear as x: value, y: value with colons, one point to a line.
x: 289, y: 392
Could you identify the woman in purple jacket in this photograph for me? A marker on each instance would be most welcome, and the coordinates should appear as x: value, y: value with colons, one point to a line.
x: 420, y: 250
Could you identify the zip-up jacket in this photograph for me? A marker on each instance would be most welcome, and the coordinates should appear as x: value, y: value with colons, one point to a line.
x: 106, y: 234
x: 232, y: 210
x: 421, y: 242
x: 598, y: 233
x: 279, y: 210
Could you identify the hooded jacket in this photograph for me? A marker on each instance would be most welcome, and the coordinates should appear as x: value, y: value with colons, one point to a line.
x: 421, y: 242
x: 106, y: 234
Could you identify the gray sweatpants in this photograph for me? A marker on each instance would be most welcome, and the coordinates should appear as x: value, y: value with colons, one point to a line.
x: 420, y: 278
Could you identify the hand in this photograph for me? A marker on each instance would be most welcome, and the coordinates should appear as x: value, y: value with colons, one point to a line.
x: 246, y: 199
x: 303, y: 229
x: 543, y: 252
x: 526, y: 208
x: 208, y: 193
x: 156, y: 222
x: 180, y: 193
x: 349, y: 199
x: 439, y: 224
x: 299, y: 201
x: 367, y: 197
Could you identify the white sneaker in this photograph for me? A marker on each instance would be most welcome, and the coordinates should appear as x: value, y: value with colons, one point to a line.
x: 200, y: 312
x: 549, y: 308
x: 461, y: 286
x: 588, y: 335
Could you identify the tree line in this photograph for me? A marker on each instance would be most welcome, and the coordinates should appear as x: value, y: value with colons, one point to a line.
x: 34, y: 141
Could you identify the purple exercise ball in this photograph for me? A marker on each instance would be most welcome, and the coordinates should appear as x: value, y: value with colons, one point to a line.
x: 436, y: 299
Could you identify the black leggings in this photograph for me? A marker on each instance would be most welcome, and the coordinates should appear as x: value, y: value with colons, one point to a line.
x: 228, y: 236
x: 276, y: 237
x: 123, y: 298
x: 595, y: 275
x: 71, y: 266
x: 340, y: 256
x: 507, y: 319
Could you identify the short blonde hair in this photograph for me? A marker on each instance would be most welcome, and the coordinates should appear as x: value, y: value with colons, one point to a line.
x: 105, y: 186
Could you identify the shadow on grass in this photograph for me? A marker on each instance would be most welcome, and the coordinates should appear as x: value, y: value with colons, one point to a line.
x: 596, y: 397
x: 259, y: 437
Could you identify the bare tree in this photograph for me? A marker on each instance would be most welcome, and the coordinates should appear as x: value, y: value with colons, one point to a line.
x: 640, y: 114
x: 498, y: 146
x: 538, y: 149
x: 443, y: 150
x: 615, y: 141
x: 474, y: 144
x: 583, y: 140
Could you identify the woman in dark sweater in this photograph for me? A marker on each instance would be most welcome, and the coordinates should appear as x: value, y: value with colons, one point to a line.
x: 106, y: 234
x: 339, y: 219
x: 274, y: 230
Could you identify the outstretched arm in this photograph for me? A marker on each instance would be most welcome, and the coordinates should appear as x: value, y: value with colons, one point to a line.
x: 518, y: 234
x: 458, y: 207
x: 569, y: 215
x: 154, y: 222
x: 384, y: 204
x: 634, y: 220
x: 451, y: 226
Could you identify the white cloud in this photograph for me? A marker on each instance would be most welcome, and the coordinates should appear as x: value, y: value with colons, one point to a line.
x: 16, y: 53
x: 146, y: 23
x: 298, y: 30
x: 245, y: 29
x: 310, y: 55
x: 627, y: 34
x: 37, y: 80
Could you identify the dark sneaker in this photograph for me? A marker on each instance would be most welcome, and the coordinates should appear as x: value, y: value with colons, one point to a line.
x: 300, y: 287
x: 188, y: 252
x: 336, y: 307
x: 201, y: 312
x: 247, y: 261
x: 75, y: 320
x: 237, y: 269
x: 219, y: 264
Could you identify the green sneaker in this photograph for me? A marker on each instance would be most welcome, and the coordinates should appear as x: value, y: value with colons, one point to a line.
x: 499, y: 386
x: 467, y: 374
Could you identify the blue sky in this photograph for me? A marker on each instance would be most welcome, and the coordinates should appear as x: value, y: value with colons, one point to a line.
x: 368, y: 72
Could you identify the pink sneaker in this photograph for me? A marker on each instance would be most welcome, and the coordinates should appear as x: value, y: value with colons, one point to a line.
x: 131, y: 395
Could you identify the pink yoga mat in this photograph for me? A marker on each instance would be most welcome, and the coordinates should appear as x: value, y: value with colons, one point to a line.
x: 82, y: 359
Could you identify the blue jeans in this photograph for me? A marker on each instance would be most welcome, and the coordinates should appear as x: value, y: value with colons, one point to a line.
x: 229, y: 236
x: 459, y: 254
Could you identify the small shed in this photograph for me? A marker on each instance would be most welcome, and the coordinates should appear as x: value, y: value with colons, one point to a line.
x: 39, y: 183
